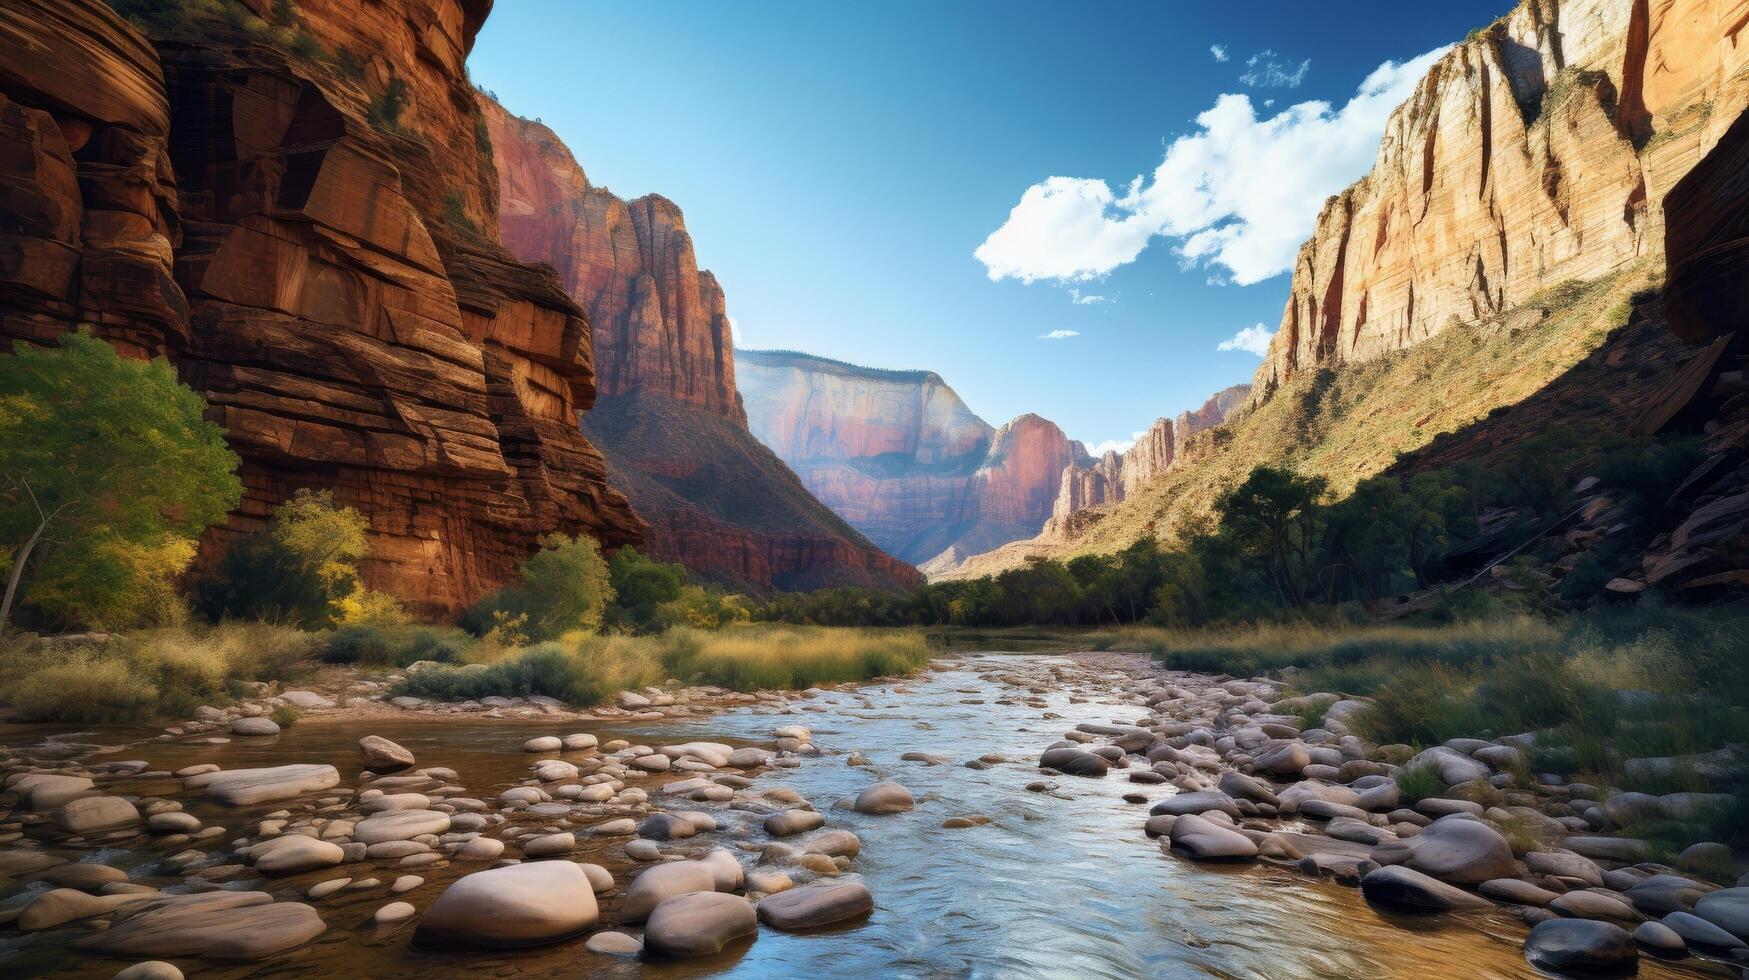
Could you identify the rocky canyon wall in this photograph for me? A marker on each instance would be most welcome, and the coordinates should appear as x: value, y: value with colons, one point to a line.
x: 901, y: 457
x: 1539, y: 150
x: 669, y: 416
x: 1115, y: 476
x: 302, y: 216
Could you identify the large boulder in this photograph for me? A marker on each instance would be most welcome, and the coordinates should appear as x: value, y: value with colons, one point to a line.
x: 812, y: 906
x: 698, y: 924
x: 517, y: 905
x: 1727, y: 908
x: 1205, y: 840
x: 1286, y: 759
x: 662, y: 882
x: 1408, y: 889
x: 1199, y: 802
x: 1451, y: 766
x: 94, y: 814
x: 1581, y: 946
x: 218, y: 925
x: 382, y: 755
x: 46, y: 790
x: 1455, y: 848
x: 883, y: 798
x: 295, y: 854
x: 246, y: 787
x: 400, y: 825
x: 1072, y: 761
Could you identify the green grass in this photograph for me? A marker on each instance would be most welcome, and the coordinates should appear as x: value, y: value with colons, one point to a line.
x: 286, y: 715
x: 588, y: 670
x: 1419, y: 783
x: 154, y: 675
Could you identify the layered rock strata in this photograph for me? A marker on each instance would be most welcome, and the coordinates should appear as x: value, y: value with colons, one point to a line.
x: 669, y: 417
x: 307, y: 229
x: 1115, y: 476
x: 1539, y: 150
x: 901, y: 457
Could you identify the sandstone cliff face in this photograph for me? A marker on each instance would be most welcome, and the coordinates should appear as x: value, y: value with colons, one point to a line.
x: 661, y: 324
x: 332, y: 286
x: 1537, y: 151
x: 1115, y: 477
x: 901, y: 457
x: 669, y: 417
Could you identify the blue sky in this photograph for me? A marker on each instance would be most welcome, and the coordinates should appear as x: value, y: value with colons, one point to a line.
x: 933, y: 185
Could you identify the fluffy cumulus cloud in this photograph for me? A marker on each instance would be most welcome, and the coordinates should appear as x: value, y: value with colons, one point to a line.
x: 1220, y: 52
x: 1253, y: 340
x: 1265, y: 70
x: 1240, y: 192
x: 1113, y: 445
x: 1059, y: 335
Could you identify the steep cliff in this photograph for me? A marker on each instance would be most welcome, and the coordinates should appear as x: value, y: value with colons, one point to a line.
x: 302, y: 216
x: 669, y: 418
x: 901, y: 457
x: 1487, y: 280
x: 1539, y: 150
x: 1114, y: 476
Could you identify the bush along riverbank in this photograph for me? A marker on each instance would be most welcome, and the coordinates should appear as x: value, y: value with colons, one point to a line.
x: 1580, y: 775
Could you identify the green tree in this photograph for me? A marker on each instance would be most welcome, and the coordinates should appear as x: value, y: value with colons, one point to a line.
x: 641, y: 586
x: 565, y: 586
x: 1275, y: 518
x: 302, y: 569
x: 101, y: 457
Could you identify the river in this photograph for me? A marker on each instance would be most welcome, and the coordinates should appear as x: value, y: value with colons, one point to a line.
x: 1058, y: 884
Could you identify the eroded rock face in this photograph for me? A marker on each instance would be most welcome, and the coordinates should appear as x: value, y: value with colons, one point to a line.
x: 901, y: 457
x: 333, y: 287
x: 670, y: 419
x: 1536, y: 151
x: 1113, y: 477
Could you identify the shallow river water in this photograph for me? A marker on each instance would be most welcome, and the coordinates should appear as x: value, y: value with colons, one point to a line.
x: 1059, y: 884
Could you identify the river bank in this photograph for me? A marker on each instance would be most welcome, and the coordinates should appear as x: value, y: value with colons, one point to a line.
x: 979, y: 874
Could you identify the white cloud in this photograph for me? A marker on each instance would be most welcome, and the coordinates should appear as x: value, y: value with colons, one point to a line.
x: 1266, y: 72
x: 1059, y: 335
x: 735, y: 331
x: 1252, y: 340
x: 1078, y: 299
x: 1098, y: 449
x: 1240, y: 192
x: 1220, y: 52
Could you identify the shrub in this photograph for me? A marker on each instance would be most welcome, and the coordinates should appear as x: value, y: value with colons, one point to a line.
x: 1422, y: 707
x: 564, y: 587
x: 301, y: 570
x: 286, y: 715
x: 1420, y: 782
x: 385, y: 110
x: 85, y: 690
x: 391, y: 645
x: 772, y: 658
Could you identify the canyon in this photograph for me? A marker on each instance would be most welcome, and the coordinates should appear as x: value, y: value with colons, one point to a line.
x: 1531, y: 170
x: 668, y: 416
x: 302, y: 217
x: 901, y: 457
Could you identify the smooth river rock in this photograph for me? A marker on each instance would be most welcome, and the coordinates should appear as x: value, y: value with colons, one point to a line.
x: 384, y: 756
x: 508, y: 907
x: 245, y: 787
x: 400, y: 825
x: 1581, y: 945
x: 698, y: 924
x: 220, y: 925
x: 883, y: 798
x: 662, y: 882
x: 812, y: 906
x: 1405, y: 888
x: 1453, y: 849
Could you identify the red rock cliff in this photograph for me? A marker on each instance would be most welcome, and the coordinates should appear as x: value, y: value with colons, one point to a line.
x: 901, y: 457
x: 1114, y: 477
x: 1538, y: 150
x: 661, y: 324
x: 241, y: 197
x: 670, y: 418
